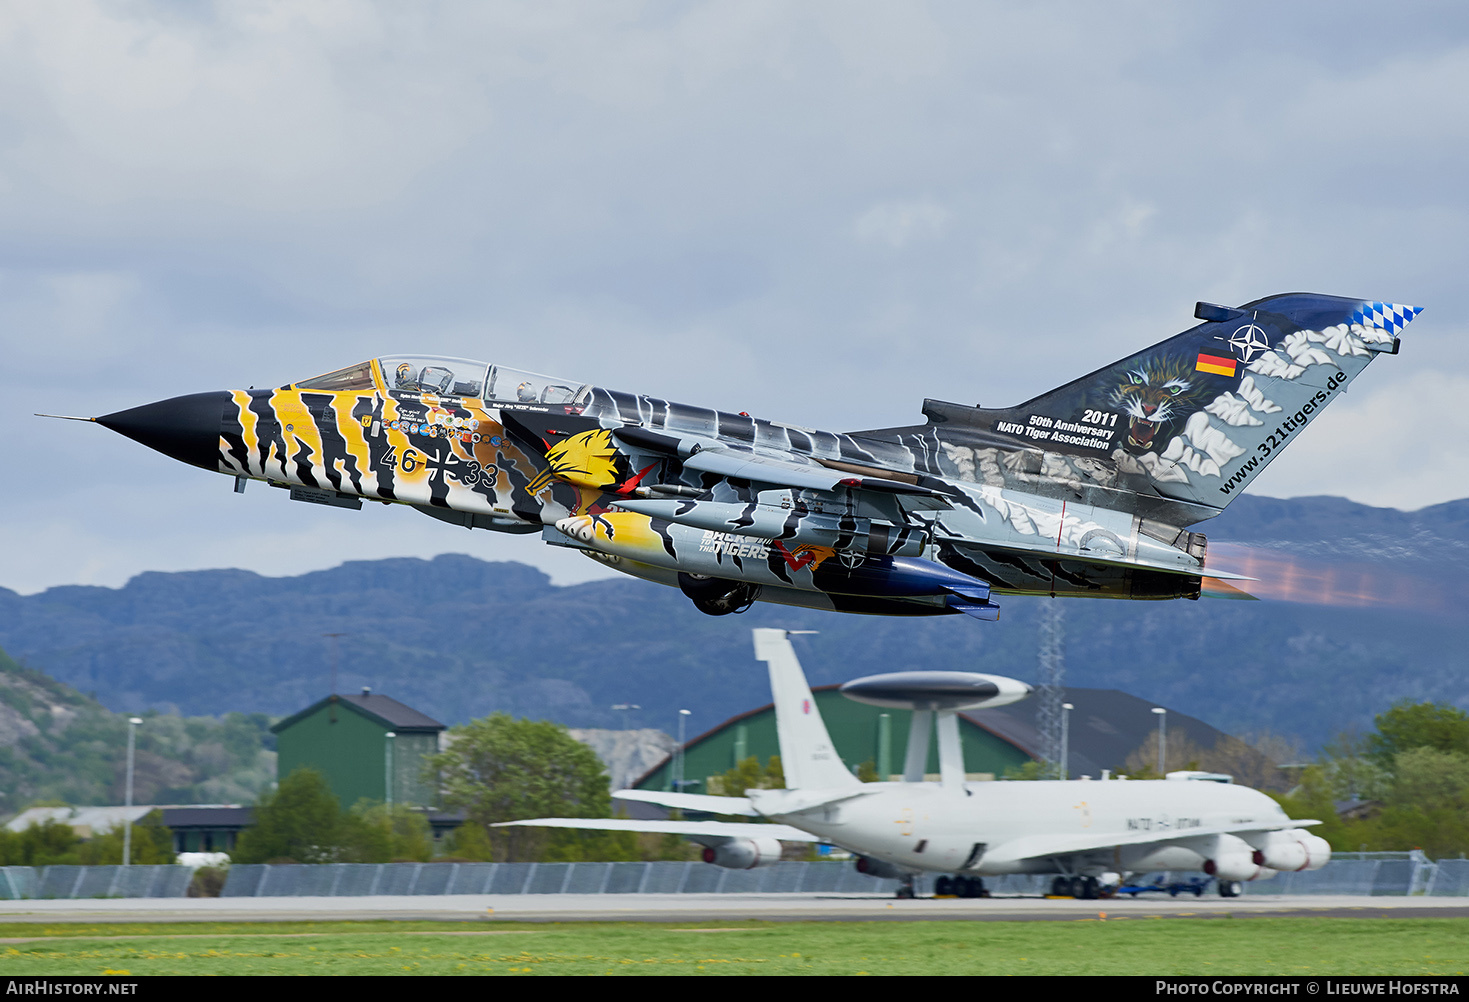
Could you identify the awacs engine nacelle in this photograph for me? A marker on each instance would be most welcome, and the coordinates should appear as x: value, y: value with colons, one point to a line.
x: 877, y: 868
x: 744, y: 853
x: 1230, y: 857
x: 1234, y: 866
x: 1293, y: 850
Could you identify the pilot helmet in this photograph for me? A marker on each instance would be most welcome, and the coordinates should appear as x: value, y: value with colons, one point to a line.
x: 404, y: 376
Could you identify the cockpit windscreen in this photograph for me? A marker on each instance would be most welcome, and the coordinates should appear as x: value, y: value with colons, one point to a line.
x: 446, y: 377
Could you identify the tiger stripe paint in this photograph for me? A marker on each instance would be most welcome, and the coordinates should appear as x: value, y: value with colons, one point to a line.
x: 1088, y: 490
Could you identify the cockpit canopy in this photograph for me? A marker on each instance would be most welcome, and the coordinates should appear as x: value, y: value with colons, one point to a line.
x: 449, y: 377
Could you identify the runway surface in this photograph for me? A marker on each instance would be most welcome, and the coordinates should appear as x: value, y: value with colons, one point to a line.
x: 713, y: 908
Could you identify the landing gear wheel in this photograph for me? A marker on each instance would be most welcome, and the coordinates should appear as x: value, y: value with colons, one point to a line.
x: 943, y: 887
x: 970, y: 887
x: 1230, y: 888
x: 905, y: 889
x: 1085, y: 888
x: 1061, y: 887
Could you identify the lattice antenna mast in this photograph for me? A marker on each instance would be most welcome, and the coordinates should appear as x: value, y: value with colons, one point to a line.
x: 1052, y: 690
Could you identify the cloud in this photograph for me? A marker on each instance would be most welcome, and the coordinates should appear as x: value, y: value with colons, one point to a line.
x: 898, y: 224
x: 1401, y: 445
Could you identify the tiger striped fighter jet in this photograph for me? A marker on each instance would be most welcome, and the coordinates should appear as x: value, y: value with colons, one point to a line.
x: 1088, y: 490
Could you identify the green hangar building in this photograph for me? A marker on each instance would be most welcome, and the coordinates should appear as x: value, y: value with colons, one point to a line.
x: 863, y: 735
x: 367, y: 746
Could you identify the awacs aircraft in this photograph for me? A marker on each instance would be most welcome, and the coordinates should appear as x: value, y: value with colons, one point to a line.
x: 1087, y: 490
x: 1090, y: 834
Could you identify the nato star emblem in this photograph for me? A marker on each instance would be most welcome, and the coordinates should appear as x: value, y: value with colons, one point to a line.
x: 1249, y: 341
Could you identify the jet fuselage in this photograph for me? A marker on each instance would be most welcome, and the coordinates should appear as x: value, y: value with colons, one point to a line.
x: 1087, y: 490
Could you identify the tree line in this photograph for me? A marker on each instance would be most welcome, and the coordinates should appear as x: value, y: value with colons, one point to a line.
x: 495, y: 769
x: 1405, y: 785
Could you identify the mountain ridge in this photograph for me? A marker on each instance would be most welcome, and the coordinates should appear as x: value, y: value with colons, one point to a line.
x: 459, y: 637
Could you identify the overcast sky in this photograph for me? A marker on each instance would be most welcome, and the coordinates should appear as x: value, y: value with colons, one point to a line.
x: 815, y: 212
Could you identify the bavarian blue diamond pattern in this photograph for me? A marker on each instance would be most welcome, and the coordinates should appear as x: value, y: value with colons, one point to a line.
x: 1389, y: 317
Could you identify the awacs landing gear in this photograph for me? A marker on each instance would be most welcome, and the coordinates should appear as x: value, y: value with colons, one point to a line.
x: 960, y: 887
x: 716, y: 596
x: 1084, y: 888
x: 1230, y: 888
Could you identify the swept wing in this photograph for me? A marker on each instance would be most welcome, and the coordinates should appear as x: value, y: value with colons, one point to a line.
x: 1040, y: 846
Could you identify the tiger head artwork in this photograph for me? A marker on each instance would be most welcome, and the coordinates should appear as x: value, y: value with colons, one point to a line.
x: 1155, y: 394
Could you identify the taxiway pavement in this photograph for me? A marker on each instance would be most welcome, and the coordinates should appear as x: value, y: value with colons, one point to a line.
x: 712, y: 908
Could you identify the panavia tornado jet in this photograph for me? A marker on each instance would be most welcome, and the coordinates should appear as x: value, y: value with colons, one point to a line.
x: 1087, y: 490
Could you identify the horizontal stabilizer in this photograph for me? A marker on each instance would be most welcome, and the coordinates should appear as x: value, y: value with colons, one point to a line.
x: 696, y: 830
x: 1225, y: 576
x: 701, y: 802
x: 772, y: 803
x: 987, y: 611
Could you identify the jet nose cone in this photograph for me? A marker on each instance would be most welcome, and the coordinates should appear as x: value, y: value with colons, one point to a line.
x: 185, y: 428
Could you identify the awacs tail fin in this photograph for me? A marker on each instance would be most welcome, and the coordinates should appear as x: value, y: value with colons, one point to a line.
x: 1194, y: 418
x: 807, y: 756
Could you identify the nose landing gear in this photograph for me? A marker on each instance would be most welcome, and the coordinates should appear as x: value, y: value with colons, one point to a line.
x: 716, y: 596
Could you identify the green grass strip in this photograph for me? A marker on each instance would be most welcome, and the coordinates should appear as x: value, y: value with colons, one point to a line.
x: 1148, y: 946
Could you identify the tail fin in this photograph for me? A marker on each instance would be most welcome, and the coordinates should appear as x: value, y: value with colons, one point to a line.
x: 807, y: 755
x: 1197, y: 417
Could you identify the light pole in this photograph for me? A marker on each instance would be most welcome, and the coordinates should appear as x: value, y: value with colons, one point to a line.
x: 127, y: 818
x: 1066, y: 709
x: 1162, y: 740
x: 626, y: 780
x: 336, y: 639
x: 683, y: 715
x: 388, y: 764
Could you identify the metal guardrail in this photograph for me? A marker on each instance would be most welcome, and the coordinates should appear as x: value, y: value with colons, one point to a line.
x: 353, y: 879
x: 1450, y: 879
x: 138, y: 881
x: 1369, y: 874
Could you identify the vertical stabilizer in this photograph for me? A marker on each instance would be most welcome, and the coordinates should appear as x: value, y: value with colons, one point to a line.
x: 1194, y: 418
x: 807, y: 755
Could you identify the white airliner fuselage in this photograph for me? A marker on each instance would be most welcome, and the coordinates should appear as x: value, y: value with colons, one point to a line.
x: 1090, y: 833
x: 1030, y: 827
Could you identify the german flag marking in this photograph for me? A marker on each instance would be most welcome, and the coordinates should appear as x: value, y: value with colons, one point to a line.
x: 1219, y: 365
